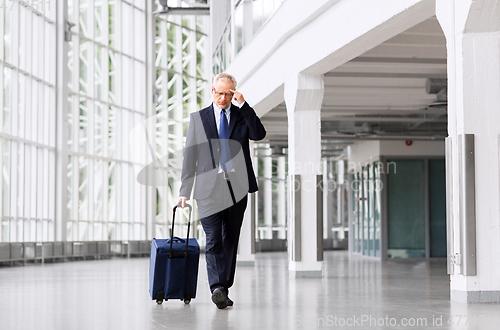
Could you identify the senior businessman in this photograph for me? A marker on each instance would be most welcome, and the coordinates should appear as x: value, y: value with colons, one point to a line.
x: 217, y: 162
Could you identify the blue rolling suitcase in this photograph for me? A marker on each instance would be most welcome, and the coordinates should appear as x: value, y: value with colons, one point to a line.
x: 173, y: 266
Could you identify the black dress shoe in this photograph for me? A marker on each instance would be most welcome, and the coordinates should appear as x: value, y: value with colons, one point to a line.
x: 229, y: 302
x: 219, y: 298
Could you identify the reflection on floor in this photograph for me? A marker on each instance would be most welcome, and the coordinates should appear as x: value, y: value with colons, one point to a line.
x: 355, y: 292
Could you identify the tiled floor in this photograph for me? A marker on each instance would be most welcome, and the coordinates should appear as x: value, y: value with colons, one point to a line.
x: 355, y: 292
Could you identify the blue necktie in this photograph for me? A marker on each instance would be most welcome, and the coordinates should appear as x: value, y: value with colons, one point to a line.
x: 225, y: 154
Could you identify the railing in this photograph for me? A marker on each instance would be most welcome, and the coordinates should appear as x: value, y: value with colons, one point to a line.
x: 11, y: 253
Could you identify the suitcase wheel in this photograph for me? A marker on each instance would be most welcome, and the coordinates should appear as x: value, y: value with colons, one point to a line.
x: 187, y: 297
x: 159, y: 297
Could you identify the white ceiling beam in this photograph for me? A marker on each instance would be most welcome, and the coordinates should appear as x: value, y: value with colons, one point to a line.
x: 403, y: 60
x: 401, y: 50
x: 389, y: 119
x: 388, y: 82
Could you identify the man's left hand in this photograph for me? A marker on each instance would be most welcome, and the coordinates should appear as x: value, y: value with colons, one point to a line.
x: 238, y: 97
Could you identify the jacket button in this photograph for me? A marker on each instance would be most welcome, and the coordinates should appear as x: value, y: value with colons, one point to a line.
x: 218, y: 149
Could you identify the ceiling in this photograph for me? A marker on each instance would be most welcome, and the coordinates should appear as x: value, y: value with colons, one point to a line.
x: 380, y: 94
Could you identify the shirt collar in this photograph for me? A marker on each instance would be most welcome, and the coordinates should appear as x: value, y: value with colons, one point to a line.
x: 218, y: 110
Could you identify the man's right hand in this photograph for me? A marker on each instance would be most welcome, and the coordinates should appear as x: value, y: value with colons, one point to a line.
x: 182, y: 201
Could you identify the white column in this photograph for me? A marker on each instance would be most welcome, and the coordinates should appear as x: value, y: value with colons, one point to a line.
x: 326, y: 214
x: 281, y: 198
x: 150, y: 111
x: 340, y: 199
x: 329, y: 197
x: 61, y: 197
x: 472, y: 31
x: 268, y: 194
x: 246, y: 252
x: 303, y: 98
x: 246, y: 247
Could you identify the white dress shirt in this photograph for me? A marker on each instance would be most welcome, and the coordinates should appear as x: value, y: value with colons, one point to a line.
x: 217, y: 111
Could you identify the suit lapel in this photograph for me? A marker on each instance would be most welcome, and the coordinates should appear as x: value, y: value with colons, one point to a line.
x: 208, y: 119
x: 235, y: 113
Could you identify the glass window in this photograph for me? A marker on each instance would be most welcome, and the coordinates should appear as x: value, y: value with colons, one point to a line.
x: 139, y: 87
x: 83, y: 125
x: 44, y: 190
x: 45, y: 129
x: 37, y: 46
x: 112, y: 191
x: 20, y: 180
x: 85, y: 50
x: 113, y: 24
x: 32, y: 119
x: 140, y: 4
x: 7, y: 37
x: 31, y: 167
x: 125, y: 122
x: 49, y: 63
x: 83, y: 204
x: 257, y: 15
x: 112, y: 78
x: 139, y: 32
x: 238, y: 23
x: 111, y: 136
x: 40, y: 168
x: 21, y: 110
x: 127, y: 31
x: 99, y: 67
x: 83, y: 19
x: 24, y: 37
x: 98, y: 190
x: 70, y: 191
x: 127, y: 81
x: 71, y: 122
x: 100, y: 21
x: 106, y: 73
x: 7, y: 104
x: 71, y: 60
x: 126, y: 176
x: 98, y: 129
x: 6, y: 155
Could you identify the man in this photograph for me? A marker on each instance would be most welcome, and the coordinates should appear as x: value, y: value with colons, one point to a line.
x: 217, y: 155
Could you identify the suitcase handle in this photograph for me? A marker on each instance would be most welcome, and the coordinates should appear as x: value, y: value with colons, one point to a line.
x: 184, y: 254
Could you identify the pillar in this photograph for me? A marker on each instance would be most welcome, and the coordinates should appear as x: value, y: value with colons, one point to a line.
x: 61, y: 195
x: 281, y: 197
x: 472, y: 31
x: 340, y: 199
x: 246, y: 246
x: 330, y: 186
x: 267, y: 188
x: 303, y: 98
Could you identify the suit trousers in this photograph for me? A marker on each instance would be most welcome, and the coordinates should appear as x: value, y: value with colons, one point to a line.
x: 222, y: 229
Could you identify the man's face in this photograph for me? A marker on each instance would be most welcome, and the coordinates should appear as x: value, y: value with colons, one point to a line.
x: 221, y: 93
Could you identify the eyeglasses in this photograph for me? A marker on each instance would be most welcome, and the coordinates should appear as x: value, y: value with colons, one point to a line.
x: 220, y: 94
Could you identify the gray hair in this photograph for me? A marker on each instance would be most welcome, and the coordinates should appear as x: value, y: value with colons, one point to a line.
x: 225, y: 76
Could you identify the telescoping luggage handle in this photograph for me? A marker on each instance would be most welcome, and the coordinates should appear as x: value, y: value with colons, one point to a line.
x: 185, y: 253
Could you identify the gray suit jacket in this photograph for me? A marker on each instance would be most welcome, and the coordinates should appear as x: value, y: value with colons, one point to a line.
x: 202, y: 152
